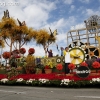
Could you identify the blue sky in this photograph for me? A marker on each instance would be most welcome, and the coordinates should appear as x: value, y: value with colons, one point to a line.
x: 56, y: 14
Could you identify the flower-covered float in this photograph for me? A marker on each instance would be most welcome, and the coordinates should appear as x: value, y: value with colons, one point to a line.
x: 22, y: 70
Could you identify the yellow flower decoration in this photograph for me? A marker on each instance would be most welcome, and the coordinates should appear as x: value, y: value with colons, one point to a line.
x: 50, y: 64
x: 30, y: 59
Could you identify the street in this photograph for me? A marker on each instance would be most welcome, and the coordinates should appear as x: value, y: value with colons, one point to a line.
x: 43, y: 93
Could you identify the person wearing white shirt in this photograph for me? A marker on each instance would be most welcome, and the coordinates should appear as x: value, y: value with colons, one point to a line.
x: 67, y: 59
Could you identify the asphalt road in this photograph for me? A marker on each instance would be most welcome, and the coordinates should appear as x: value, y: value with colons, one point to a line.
x: 41, y: 93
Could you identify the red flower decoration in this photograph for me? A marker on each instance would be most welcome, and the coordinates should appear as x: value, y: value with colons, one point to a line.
x: 6, y: 55
x: 22, y: 50
x: 71, y: 66
x: 59, y: 67
x: 31, y: 51
x: 96, y: 64
x: 15, y: 51
x: 17, y: 56
x: 47, y: 67
x: 84, y: 64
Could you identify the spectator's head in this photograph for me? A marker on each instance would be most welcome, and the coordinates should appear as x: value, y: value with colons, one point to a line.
x: 66, y: 48
x: 50, y: 50
x: 62, y: 48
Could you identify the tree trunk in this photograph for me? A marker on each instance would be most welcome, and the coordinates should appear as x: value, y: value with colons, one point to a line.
x: 11, y: 47
x: 45, y: 52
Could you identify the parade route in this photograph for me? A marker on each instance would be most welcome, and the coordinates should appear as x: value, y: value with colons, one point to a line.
x: 42, y: 93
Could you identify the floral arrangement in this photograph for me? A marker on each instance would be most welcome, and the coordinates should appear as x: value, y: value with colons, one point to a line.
x: 50, y: 80
x: 20, y: 80
x: 43, y: 80
x: 22, y: 50
x: 17, y: 56
x: 40, y: 66
x: 65, y: 81
x: 30, y: 60
x: 6, y: 55
x: 50, y: 64
x: 30, y: 81
x: 4, y: 80
x: 15, y: 51
x: 31, y: 51
x: 71, y: 66
x: 84, y: 64
x: 59, y: 67
x: 96, y: 64
x: 47, y: 67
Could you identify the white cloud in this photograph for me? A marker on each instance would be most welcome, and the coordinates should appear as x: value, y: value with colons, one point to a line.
x: 72, y: 8
x: 78, y: 26
x: 35, y: 13
x: 61, y: 37
x: 90, y: 12
x: 62, y: 24
x: 68, y: 1
x: 85, y: 1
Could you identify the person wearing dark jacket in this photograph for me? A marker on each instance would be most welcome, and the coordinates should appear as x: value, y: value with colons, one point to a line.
x: 50, y: 54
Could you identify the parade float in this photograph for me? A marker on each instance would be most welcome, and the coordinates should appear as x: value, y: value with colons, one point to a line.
x: 84, y: 43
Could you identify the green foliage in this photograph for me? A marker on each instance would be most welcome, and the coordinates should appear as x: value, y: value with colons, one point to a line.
x: 53, y: 83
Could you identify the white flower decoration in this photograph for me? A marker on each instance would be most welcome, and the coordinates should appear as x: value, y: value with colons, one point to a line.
x: 43, y: 80
x: 65, y: 81
x: 30, y: 81
x: 20, y: 80
x: 94, y: 79
x: 98, y: 79
x: 4, y: 80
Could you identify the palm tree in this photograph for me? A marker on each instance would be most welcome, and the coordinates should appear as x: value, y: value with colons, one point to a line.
x: 23, y: 35
x: 15, y: 34
x: 1, y: 43
x: 6, y: 26
x: 45, y: 39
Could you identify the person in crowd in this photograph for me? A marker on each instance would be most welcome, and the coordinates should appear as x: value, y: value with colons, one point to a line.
x: 68, y: 56
x: 50, y: 54
x: 67, y: 59
x: 90, y: 61
x: 62, y: 49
